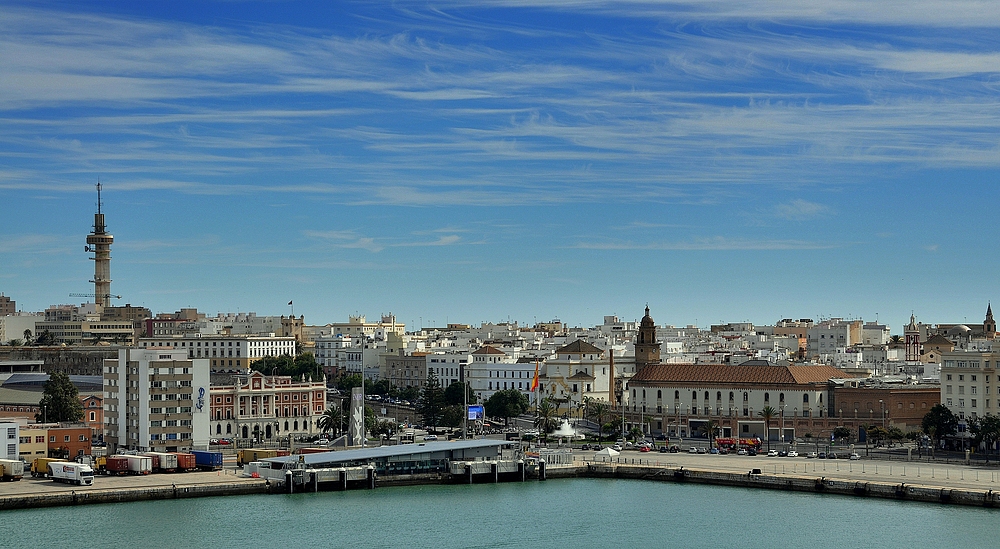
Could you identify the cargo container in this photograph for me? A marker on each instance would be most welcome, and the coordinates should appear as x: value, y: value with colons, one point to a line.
x: 40, y: 467
x: 163, y: 462
x: 186, y: 462
x: 210, y: 461
x: 73, y: 473
x: 254, y: 454
x: 313, y: 450
x: 116, y: 465
x: 140, y: 465
x: 11, y: 469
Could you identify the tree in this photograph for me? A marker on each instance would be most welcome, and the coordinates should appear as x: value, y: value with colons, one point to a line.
x: 600, y: 411
x: 45, y: 338
x: 841, y: 432
x: 27, y: 336
x: 452, y: 415
x: 939, y: 422
x: 432, y: 403
x: 711, y: 429
x: 768, y: 414
x: 348, y: 382
x: 877, y: 434
x: 635, y: 432
x: 546, y: 419
x: 453, y: 394
x: 985, y: 430
x: 507, y: 403
x: 60, y: 400
x: 331, y: 420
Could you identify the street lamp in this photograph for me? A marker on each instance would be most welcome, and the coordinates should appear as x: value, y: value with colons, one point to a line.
x: 781, y: 412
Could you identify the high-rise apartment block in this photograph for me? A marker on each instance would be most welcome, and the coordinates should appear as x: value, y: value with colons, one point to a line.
x: 156, y: 400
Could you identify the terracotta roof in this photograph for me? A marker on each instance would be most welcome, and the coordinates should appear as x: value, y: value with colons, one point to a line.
x: 741, y: 374
x: 938, y: 339
x: 488, y: 350
x: 579, y: 347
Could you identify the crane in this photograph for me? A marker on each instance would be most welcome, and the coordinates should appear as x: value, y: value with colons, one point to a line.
x: 105, y: 296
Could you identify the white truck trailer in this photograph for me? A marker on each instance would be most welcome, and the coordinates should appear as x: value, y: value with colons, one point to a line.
x: 73, y: 473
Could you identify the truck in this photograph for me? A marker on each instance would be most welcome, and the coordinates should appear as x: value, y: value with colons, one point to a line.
x: 11, y: 469
x: 73, y: 473
x: 186, y: 462
x: 163, y: 462
x: 209, y: 461
x: 116, y: 465
x: 256, y: 454
x: 140, y: 465
x: 40, y: 466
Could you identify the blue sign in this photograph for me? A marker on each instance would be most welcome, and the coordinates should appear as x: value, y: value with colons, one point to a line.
x: 476, y: 412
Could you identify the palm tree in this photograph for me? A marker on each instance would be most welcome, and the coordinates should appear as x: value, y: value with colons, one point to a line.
x: 331, y: 420
x: 768, y: 414
x: 545, y: 420
x: 711, y: 429
x: 600, y: 412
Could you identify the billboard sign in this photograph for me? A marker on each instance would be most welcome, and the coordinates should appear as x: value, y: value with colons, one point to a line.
x: 476, y: 412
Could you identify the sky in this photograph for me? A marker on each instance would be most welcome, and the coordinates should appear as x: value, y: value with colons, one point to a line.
x: 489, y: 160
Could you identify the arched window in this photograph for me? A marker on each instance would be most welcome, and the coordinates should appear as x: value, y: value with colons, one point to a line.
x: 694, y: 396
x: 677, y: 395
x: 286, y: 422
x: 805, y: 399
x: 746, y: 397
x: 767, y: 397
x: 229, y: 429
x: 218, y: 429
x: 659, y: 394
x: 718, y: 395
x: 781, y: 397
x: 643, y: 395
x: 706, y: 396
x: 730, y: 395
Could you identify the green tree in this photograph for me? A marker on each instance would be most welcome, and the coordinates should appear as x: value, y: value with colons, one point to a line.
x: 546, y: 420
x: 331, y: 420
x: 507, y: 403
x: 452, y: 415
x: 711, y: 430
x: 60, y: 400
x: 841, y: 432
x: 877, y: 434
x: 284, y: 365
x: 768, y: 413
x: 431, y: 406
x: 635, y: 433
x: 939, y: 422
x: 600, y: 412
x: 27, y: 337
x: 45, y: 338
x: 453, y: 394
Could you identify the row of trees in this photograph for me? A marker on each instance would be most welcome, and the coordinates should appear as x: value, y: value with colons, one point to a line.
x: 44, y: 338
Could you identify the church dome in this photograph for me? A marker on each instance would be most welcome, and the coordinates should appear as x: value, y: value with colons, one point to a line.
x: 647, y: 320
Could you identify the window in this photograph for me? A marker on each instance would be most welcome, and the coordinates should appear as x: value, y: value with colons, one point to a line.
x: 949, y: 377
x: 84, y: 437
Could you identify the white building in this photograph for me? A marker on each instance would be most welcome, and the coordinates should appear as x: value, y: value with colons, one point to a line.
x: 11, y: 442
x: 13, y: 326
x: 227, y: 353
x: 156, y: 400
x: 969, y: 383
x: 493, y: 370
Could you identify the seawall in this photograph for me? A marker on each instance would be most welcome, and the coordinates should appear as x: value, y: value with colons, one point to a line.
x: 799, y: 483
x: 141, y: 493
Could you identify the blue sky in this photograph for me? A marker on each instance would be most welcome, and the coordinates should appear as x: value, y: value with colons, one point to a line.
x: 469, y: 161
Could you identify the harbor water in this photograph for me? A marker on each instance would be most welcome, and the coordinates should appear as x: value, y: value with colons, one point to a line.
x: 598, y: 513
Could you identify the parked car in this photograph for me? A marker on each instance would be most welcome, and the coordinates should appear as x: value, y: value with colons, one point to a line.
x: 714, y: 451
x: 701, y: 450
x: 752, y: 452
x: 431, y: 437
x: 664, y: 449
x: 811, y: 455
x: 675, y: 449
x: 644, y: 448
x: 741, y: 452
x: 782, y: 453
x: 822, y: 455
x: 772, y: 453
x: 617, y: 447
x: 692, y: 450
x: 855, y: 456
x: 793, y: 454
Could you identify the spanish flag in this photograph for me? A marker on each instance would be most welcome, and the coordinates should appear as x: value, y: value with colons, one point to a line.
x: 534, y: 382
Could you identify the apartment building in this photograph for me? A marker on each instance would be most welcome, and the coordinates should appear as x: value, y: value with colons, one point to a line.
x: 969, y: 383
x: 9, y: 438
x: 155, y: 400
x: 226, y: 353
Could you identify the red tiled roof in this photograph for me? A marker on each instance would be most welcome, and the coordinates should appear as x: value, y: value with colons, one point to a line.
x: 740, y: 374
x: 488, y: 350
x: 579, y: 347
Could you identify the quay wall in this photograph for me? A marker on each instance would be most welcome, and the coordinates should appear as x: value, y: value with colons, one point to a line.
x: 799, y: 483
x: 144, y: 493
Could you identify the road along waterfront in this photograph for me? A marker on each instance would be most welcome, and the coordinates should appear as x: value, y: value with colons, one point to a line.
x: 556, y: 513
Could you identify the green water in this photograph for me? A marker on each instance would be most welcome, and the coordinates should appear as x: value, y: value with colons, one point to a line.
x: 558, y: 513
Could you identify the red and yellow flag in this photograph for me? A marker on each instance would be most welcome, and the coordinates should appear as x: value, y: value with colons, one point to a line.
x: 534, y: 382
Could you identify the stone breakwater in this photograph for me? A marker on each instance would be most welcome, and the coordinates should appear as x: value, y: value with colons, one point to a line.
x: 139, y: 493
x: 799, y: 483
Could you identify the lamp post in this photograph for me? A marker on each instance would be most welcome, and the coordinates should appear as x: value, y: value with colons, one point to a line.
x: 465, y: 403
x: 781, y: 412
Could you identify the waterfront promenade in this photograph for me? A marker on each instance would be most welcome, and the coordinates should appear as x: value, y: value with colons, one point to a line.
x: 905, y: 480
